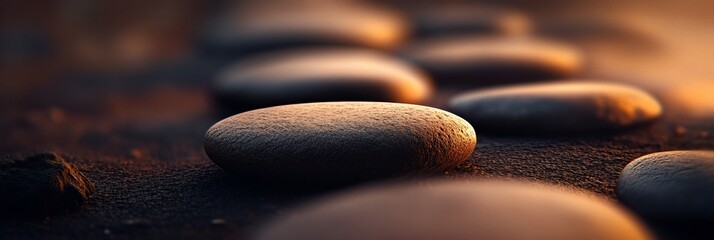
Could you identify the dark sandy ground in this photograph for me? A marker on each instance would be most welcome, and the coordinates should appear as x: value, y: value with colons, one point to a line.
x: 140, y: 140
x: 153, y: 180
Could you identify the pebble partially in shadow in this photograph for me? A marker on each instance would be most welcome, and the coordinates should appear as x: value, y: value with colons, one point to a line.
x: 458, y: 210
x: 41, y: 184
x: 481, y: 61
x: 676, y: 188
x: 320, y: 74
x: 330, y: 144
x: 557, y: 108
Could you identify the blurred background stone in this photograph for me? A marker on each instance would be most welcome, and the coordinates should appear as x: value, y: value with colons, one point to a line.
x: 484, y: 61
x: 570, y: 108
x: 320, y: 74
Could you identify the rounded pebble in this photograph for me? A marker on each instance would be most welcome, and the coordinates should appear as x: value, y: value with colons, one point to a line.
x: 478, y: 60
x: 451, y: 19
x: 671, y: 186
x: 263, y: 27
x: 458, y: 210
x: 321, y: 74
x: 41, y: 184
x: 557, y: 108
x: 336, y: 143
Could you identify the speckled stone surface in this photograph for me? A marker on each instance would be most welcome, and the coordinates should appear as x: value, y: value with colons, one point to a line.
x: 321, y: 74
x: 458, y: 210
x: 337, y: 143
x: 557, y: 108
x: 481, y: 61
x: 675, y: 185
x: 41, y: 185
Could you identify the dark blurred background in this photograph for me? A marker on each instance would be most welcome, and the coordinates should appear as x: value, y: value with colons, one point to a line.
x: 658, y: 44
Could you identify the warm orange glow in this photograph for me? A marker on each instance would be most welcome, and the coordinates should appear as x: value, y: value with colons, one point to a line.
x: 695, y: 98
x: 320, y: 65
x: 378, y: 28
x: 518, y: 50
x: 614, y: 102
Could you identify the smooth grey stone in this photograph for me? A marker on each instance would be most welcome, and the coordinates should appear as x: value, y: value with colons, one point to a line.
x: 457, y: 210
x: 255, y: 28
x: 670, y: 186
x: 40, y: 185
x: 336, y: 143
x: 557, y: 108
x: 482, y: 61
x: 321, y: 74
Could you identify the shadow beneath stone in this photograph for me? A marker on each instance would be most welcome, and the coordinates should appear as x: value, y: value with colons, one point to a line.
x: 691, y: 229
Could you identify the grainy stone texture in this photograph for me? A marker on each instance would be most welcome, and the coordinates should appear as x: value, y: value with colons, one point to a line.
x: 481, y: 61
x: 40, y: 185
x: 458, y: 210
x: 337, y: 143
x: 672, y: 186
x: 557, y: 108
x: 259, y: 27
x: 321, y: 74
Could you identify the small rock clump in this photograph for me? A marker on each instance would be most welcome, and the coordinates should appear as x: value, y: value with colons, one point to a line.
x: 41, y: 184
